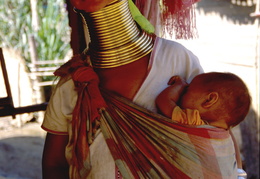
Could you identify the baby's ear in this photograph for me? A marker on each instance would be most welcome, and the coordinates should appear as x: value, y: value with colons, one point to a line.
x: 210, y: 100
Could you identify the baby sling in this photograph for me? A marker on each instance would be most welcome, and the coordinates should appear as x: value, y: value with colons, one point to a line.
x: 143, y: 144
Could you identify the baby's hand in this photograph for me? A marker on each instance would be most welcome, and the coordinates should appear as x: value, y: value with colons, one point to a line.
x: 167, y: 99
x: 177, y: 80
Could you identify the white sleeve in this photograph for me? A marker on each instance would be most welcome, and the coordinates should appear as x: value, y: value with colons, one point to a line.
x: 177, y: 59
x: 58, y: 114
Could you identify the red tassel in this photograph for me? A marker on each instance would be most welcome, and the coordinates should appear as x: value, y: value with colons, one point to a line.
x: 177, y: 16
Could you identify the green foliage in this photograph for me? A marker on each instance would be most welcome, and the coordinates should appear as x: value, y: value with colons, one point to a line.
x: 54, y: 34
x: 15, y: 24
x: 52, y: 38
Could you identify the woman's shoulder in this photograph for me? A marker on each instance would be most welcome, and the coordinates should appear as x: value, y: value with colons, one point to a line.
x: 171, y: 51
x: 169, y: 44
x: 65, y: 89
x: 65, y: 83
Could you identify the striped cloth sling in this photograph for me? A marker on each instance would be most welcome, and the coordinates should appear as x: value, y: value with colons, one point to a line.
x: 148, y: 145
x: 143, y: 144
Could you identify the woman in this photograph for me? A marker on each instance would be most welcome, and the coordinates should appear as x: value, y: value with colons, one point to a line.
x: 138, y: 74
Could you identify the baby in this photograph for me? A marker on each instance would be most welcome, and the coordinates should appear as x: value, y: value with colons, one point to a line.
x: 217, y: 99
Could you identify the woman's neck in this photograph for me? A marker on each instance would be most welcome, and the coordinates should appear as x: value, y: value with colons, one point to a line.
x: 116, y: 40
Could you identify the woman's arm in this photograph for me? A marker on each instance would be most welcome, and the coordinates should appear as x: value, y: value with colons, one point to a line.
x: 54, y: 164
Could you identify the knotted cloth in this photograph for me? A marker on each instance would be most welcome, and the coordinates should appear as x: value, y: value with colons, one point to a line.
x: 85, y: 116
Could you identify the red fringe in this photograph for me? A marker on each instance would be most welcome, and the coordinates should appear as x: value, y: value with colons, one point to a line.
x: 177, y: 17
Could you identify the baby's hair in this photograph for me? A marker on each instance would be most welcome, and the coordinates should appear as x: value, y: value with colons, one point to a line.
x: 233, y: 92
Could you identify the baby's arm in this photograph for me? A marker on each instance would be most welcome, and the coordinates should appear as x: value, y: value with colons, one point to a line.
x: 167, y: 99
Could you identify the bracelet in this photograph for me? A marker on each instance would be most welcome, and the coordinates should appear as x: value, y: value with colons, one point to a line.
x: 241, y: 173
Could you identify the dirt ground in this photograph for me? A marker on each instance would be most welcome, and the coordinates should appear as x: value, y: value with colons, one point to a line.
x: 21, y: 150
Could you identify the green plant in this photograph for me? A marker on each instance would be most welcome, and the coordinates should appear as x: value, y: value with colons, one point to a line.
x: 54, y: 34
x: 15, y: 25
x: 52, y: 38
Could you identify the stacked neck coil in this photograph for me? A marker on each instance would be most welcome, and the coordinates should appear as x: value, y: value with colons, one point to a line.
x: 116, y: 40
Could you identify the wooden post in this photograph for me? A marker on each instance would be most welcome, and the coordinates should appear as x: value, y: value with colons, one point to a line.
x: 35, y: 19
x: 250, y: 127
x: 38, y: 90
x: 6, y: 104
x: 250, y: 144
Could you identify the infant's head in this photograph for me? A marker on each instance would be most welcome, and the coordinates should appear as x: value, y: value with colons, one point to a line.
x: 222, y: 99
